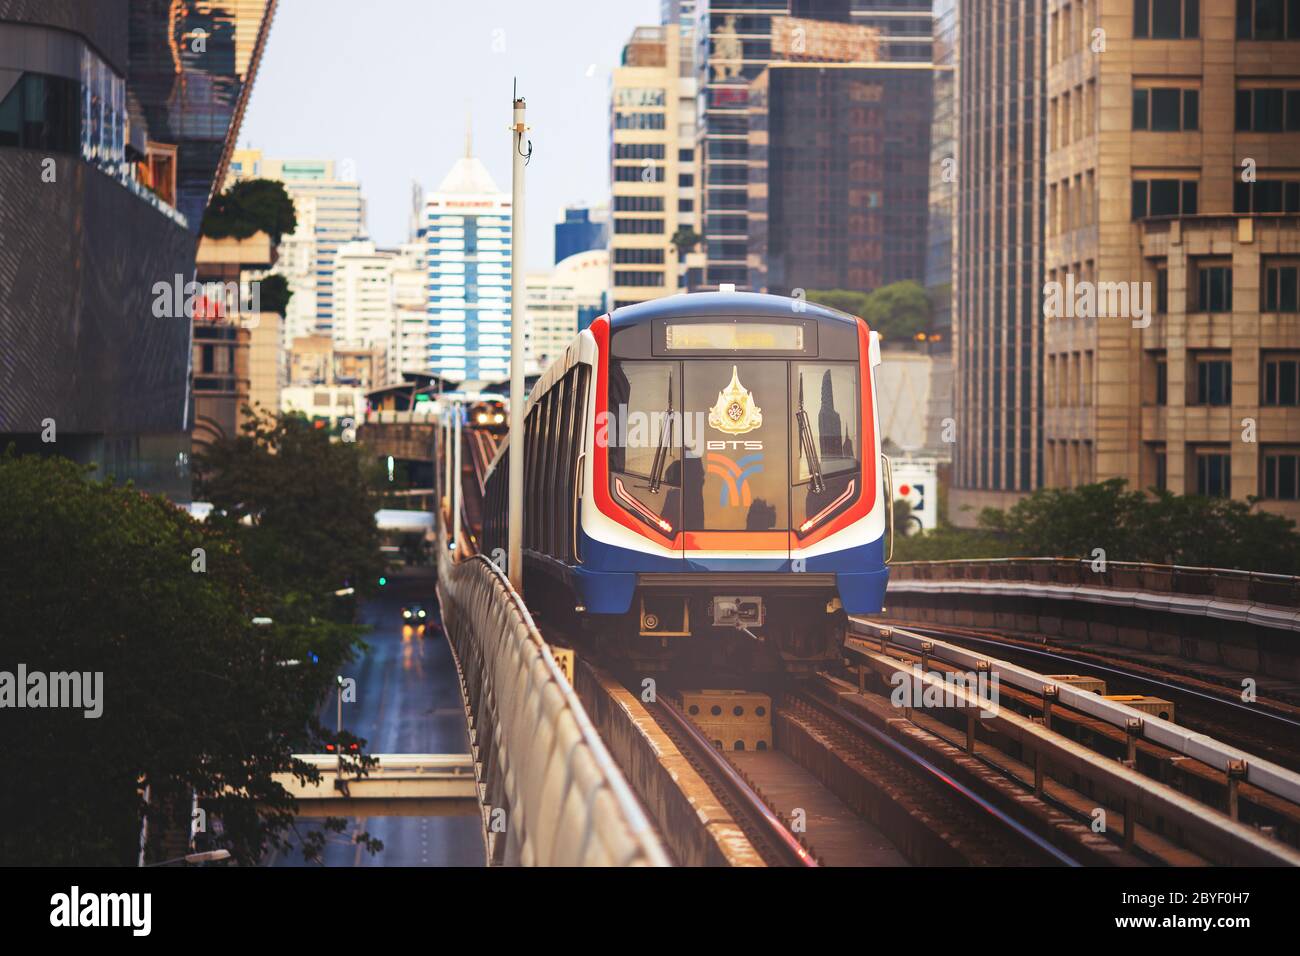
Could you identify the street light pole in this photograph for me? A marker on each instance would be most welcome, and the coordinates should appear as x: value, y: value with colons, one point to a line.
x: 515, y: 517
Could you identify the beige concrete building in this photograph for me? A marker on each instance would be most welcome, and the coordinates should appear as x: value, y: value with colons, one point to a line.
x: 652, y: 123
x: 237, y: 357
x: 1172, y: 356
x: 558, y: 303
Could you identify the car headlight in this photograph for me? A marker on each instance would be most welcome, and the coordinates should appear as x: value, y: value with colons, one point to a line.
x: 421, y: 614
x: 499, y: 418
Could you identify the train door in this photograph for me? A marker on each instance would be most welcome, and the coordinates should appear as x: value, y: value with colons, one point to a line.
x: 735, y: 468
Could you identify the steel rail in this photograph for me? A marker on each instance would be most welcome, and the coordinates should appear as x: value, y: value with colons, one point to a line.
x: 921, y: 763
x: 1261, y: 773
x: 771, y: 824
x: 1290, y: 722
x: 1233, y: 842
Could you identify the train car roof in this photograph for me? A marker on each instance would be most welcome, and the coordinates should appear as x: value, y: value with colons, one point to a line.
x: 700, y: 304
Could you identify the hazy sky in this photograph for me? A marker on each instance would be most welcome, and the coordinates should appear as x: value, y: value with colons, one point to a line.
x: 387, y: 84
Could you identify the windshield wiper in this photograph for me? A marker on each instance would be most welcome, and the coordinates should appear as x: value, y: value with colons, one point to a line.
x: 665, y: 442
x: 808, y: 445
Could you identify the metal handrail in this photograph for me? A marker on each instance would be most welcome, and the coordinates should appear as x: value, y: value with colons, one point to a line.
x: 537, y: 755
x: 1233, y: 841
x: 1277, y: 590
x: 1268, y: 776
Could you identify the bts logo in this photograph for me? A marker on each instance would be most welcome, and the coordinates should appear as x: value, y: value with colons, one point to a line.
x: 735, y: 477
x: 738, y: 445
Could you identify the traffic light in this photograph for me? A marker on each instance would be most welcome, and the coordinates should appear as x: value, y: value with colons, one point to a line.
x: 383, y: 581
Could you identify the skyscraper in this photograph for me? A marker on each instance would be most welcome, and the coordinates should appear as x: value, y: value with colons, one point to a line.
x: 838, y: 158
x: 363, y: 295
x: 653, y: 176
x: 735, y: 41
x: 1173, y: 213
x: 467, y: 255
x: 582, y: 228
x: 998, y: 270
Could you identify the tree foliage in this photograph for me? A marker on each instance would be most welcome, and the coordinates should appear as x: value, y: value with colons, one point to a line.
x: 97, y: 577
x: 1157, y: 527
x: 685, y: 239
x: 302, y: 506
x: 248, y: 207
x: 897, y: 311
x: 275, y: 293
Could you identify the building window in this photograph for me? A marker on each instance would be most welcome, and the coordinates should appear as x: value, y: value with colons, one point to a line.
x: 638, y: 120
x: 1213, y: 473
x: 686, y: 205
x: 1266, y: 195
x: 1280, y: 478
x: 686, y: 156
x: 631, y: 278
x: 1267, y: 111
x: 1164, y: 197
x: 1214, y: 288
x: 1213, y: 379
x: 1268, y: 20
x: 644, y: 257
x: 1162, y: 290
x: 1158, y: 376
x: 1281, y: 292
x: 1158, y: 464
x: 1166, y: 19
x: 638, y: 174
x: 638, y: 203
x: 639, y: 226
x: 1166, y: 110
x: 639, y: 96
x: 638, y: 150
x: 1280, y: 379
x: 686, y: 179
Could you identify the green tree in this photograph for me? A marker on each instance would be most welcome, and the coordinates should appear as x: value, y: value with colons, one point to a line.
x: 302, y: 506
x: 275, y: 293
x: 897, y: 311
x: 248, y: 207
x: 98, y: 578
x: 1161, y: 528
x: 685, y: 239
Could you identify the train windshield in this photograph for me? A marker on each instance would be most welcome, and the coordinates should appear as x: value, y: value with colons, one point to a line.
x: 734, y: 444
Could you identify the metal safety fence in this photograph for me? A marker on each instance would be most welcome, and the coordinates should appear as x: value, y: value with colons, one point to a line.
x: 550, y: 793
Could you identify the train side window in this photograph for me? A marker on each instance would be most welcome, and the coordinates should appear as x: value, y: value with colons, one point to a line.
x: 581, y: 382
x: 530, y: 476
x: 539, y: 471
x: 559, y: 488
x: 552, y: 449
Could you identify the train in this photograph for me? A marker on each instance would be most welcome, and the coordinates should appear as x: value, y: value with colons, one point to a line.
x: 489, y: 414
x: 704, y: 481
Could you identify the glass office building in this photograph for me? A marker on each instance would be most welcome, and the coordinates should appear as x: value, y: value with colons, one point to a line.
x: 467, y: 234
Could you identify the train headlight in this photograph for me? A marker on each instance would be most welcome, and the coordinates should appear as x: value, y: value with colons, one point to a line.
x: 499, y: 418
x: 482, y: 418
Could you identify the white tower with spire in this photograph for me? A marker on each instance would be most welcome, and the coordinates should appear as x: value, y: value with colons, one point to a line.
x: 467, y: 252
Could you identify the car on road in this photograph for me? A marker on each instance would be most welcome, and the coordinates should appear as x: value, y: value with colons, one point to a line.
x: 415, y: 615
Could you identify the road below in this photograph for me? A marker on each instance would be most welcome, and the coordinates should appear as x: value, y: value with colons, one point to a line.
x: 408, y: 701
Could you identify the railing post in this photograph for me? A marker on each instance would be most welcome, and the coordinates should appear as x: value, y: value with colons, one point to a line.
x: 1236, y: 773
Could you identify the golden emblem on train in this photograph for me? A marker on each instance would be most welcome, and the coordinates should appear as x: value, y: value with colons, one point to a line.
x: 735, y: 412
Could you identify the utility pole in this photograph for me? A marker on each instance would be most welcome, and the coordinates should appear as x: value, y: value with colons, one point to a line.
x: 521, y: 149
x: 455, y: 477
